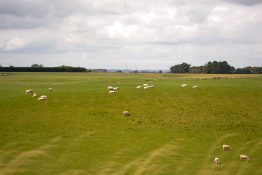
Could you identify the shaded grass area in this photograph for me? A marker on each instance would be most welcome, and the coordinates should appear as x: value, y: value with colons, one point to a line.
x: 79, y: 129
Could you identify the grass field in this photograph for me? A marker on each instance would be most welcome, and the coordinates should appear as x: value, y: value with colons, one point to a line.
x: 80, y: 129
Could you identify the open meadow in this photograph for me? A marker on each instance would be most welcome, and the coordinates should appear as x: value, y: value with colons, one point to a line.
x: 79, y: 129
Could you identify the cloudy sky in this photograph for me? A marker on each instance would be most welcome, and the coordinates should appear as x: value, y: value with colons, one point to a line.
x: 133, y: 34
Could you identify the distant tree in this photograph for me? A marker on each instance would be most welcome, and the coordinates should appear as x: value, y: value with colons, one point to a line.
x: 218, y: 67
x: 255, y: 70
x: 197, y: 69
x: 66, y: 68
x: 99, y: 70
x: 160, y: 72
x: 249, y: 70
x: 119, y: 71
x: 180, y: 68
x: 243, y: 71
x: 37, y: 65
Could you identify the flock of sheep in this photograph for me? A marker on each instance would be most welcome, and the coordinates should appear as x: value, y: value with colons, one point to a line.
x: 145, y: 86
x: 228, y: 148
x: 41, y: 98
x: 113, y: 90
x: 185, y: 85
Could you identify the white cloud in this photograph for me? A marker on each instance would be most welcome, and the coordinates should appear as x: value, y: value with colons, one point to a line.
x: 121, y: 33
x: 14, y: 43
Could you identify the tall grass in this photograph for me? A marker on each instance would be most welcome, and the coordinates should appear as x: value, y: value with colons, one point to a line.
x: 80, y: 129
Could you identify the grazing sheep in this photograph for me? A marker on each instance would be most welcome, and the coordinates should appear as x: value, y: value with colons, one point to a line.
x: 194, y: 87
x: 110, y: 88
x: 50, y: 89
x: 244, y: 157
x: 34, y: 95
x: 43, y: 96
x: 41, y: 99
x: 183, y: 85
x: 126, y: 113
x: 29, y: 91
x: 148, y: 86
x: 216, y: 160
x: 112, y: 92
x: 138, y: 87
x: 115, y: 88
x: 145, y: 85
x: 226, y: 147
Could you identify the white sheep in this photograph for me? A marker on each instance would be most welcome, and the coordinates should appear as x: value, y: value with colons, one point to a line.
x: 148, y: 86
x: 244, y: 157
x: 29, y: 91
x: 40, y: 99
x: 115, y: 88
x: 43, y: 96
x: 145, y: 85
x: 110, y: 88
x: 34, y: 95
x: 126, y: 113
x: 183, y: 85
x: 216, y: 160
x: 50, y: 89
x: 226, y: 147
x: 138, y: 87
x: 194, y: 87
x: 112, y: 92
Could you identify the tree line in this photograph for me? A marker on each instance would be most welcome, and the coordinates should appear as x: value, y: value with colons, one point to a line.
x: 214, y: 67
x: 211, y: 67
x: 41, y: 68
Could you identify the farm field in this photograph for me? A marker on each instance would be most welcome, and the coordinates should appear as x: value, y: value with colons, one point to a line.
x: 171, y: 130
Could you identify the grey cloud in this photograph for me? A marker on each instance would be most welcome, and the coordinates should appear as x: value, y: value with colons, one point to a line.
x: 18, y: 22
x: 139, y: 34
x: 199, y: 14
x: 245, y: 2
x: 34, y: 8
x: 54, y: 8
x: 26, y: 14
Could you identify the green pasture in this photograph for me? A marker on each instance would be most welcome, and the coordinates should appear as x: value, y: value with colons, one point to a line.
x: 171, y: 130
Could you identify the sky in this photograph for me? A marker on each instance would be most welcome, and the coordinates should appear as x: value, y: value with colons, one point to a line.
x: 130, y: 34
